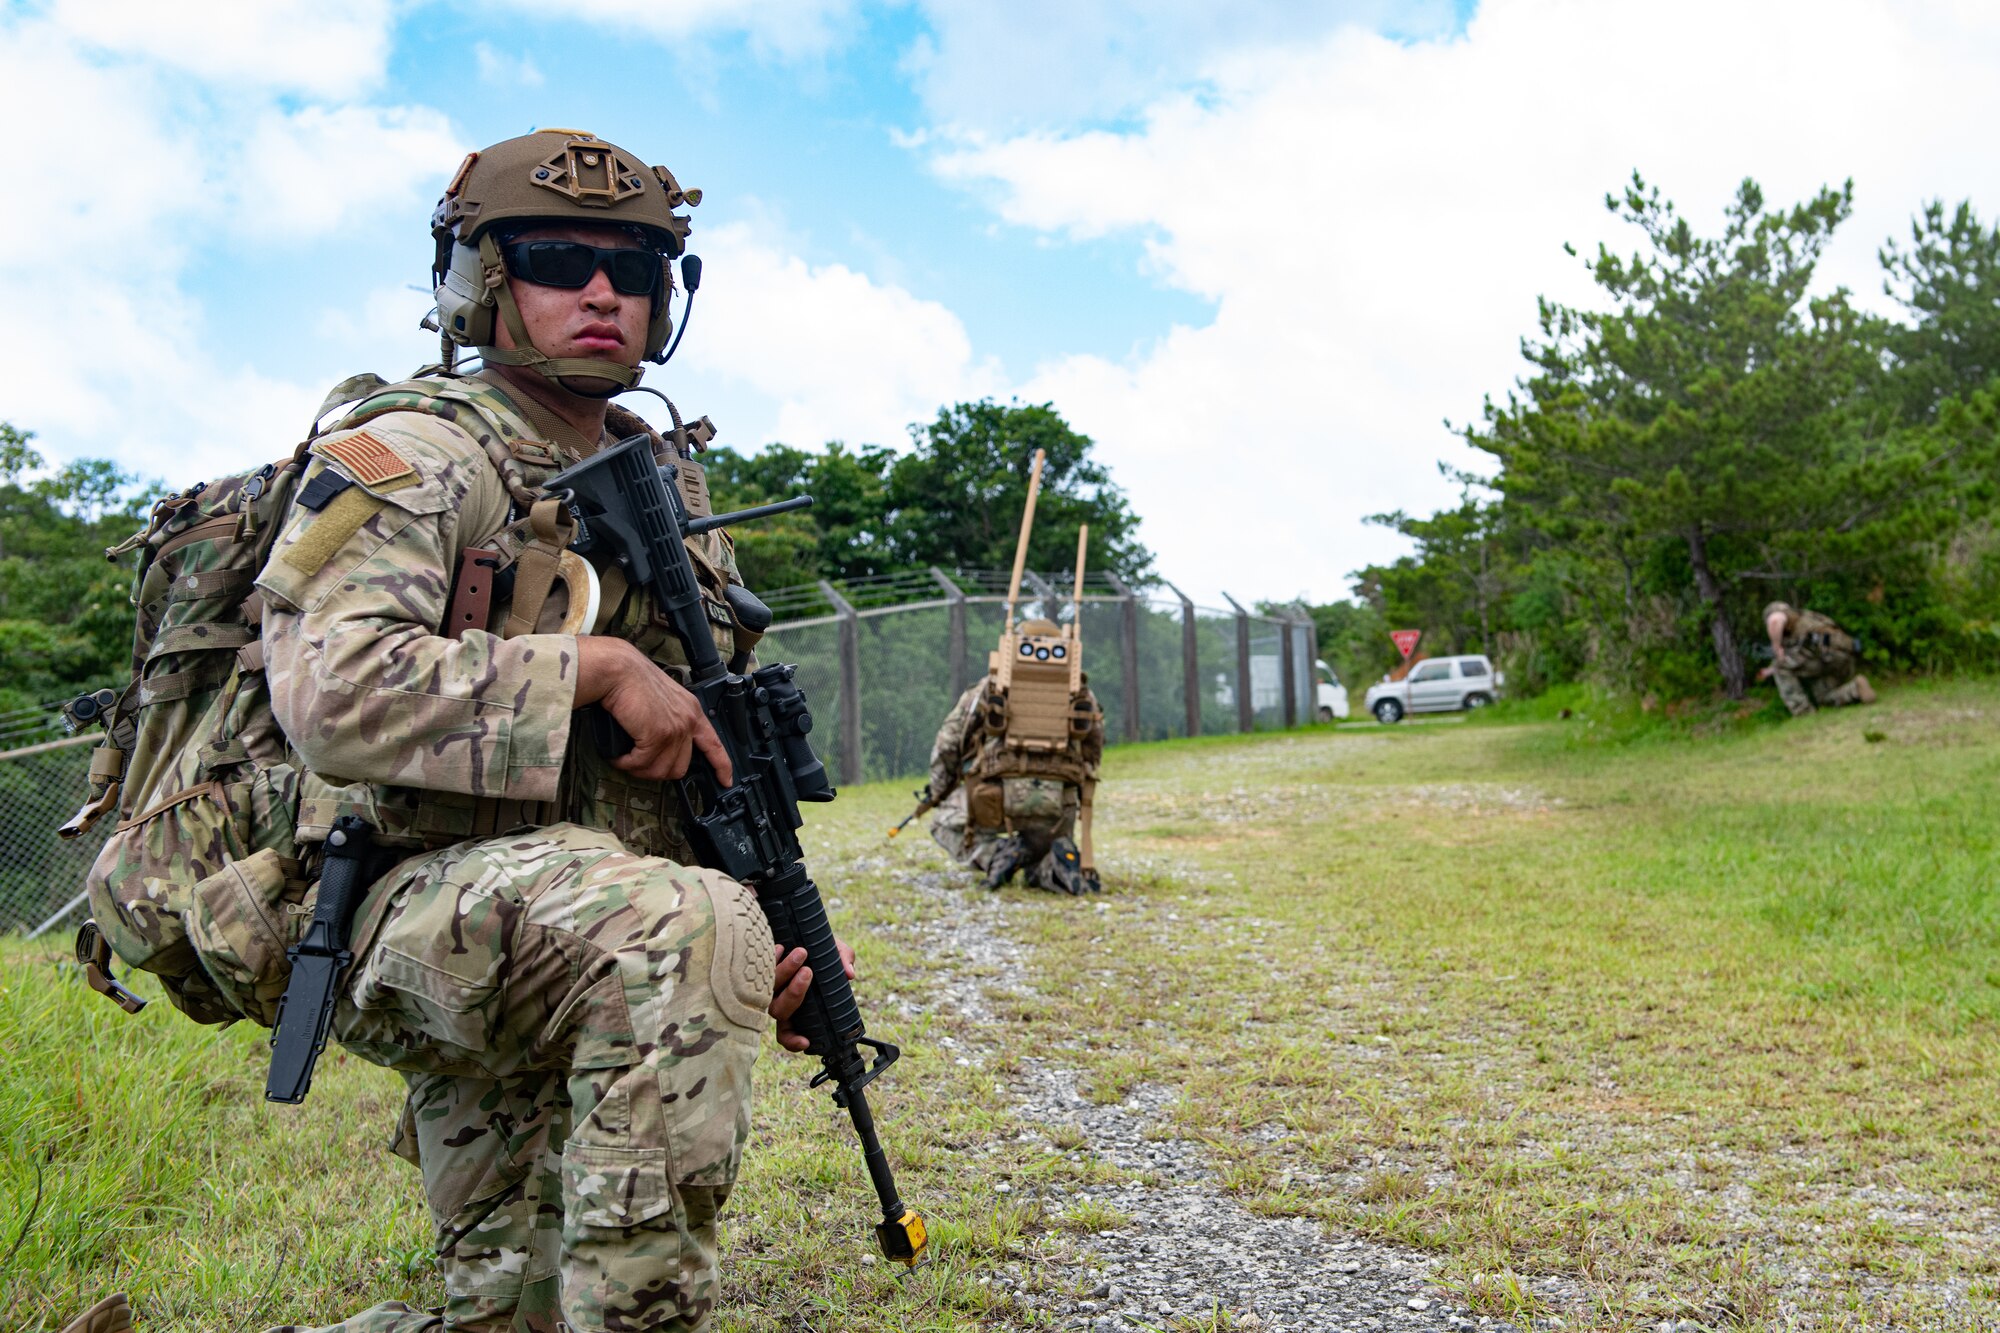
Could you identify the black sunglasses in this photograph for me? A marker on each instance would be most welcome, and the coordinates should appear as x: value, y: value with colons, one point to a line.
x: 571, y: 264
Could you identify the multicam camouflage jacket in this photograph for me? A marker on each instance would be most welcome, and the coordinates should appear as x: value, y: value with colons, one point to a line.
x: 433, y: 738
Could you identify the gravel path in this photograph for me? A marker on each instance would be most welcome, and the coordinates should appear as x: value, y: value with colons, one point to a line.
x: 1188, y: 1251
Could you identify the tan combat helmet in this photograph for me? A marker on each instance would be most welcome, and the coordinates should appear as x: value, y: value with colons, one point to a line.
x: 550, y: 176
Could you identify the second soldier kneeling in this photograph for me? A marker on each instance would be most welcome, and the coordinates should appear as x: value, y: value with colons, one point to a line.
x: 1015, y: 765
x: 1014, y: 769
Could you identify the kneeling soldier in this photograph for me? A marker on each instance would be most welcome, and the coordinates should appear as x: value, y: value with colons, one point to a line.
x: 574, y: 1007
x: 1014, y: 768
x: 1813, y: 661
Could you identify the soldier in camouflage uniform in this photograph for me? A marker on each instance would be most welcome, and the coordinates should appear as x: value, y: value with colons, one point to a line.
x: 1033, y: 825
x: 1813, y: 661
x: 575, y: 1008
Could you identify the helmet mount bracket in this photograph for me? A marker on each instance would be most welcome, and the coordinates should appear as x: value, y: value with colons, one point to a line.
x: 590, y: 172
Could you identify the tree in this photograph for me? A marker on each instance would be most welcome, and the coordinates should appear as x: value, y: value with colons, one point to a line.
x: 1949, y: 282
x: 1717, y: 406
x: 957, y: 497
x: 1455, y: 583
x: 65, y: 623
x: 1354, y: 640
x: 843, y: 536
x: 954, y: 501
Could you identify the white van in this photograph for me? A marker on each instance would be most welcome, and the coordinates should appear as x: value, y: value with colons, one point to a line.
x: 1329, y: 695
x: 1267, y: 688
x: 1436, y: 685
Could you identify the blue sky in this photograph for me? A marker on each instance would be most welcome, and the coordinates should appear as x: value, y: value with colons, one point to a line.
x: 1260, y: 252
x: 809, y: 145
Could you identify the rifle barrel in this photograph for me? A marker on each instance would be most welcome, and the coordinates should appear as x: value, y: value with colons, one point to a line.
x: 697, y: 526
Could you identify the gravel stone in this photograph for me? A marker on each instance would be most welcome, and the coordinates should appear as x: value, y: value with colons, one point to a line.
x: 1190, y: 1249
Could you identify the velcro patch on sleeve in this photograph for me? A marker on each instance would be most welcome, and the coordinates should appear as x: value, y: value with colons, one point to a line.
x: 329, y: 531
x: 369, y: 460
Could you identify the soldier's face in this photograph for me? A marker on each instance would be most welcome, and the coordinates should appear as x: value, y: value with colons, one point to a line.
x: 595, y: 320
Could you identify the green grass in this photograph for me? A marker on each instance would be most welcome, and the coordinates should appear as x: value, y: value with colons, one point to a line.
x: 1674, y: 1007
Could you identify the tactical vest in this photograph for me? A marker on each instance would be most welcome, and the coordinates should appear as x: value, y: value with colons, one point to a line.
x: 223, y: 803
x: 1814, y: 638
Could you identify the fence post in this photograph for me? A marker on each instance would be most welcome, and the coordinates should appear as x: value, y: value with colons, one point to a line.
x: 850, y: 683
x: 1246, y: 709
x: 1128, y: 651
x: 1309, y: 628
x: 1288, y: 670
x: 1190, y: 663
x: 955, y: 650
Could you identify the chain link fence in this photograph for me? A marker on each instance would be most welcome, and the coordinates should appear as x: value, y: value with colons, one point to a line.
x: 41, y: 875
x: 881, y: 661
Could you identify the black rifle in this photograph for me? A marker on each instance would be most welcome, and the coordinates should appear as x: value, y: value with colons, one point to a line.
x: 319, y: 960
x: 626, y: 506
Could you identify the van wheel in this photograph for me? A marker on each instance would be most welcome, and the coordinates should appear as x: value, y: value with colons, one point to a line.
x: 1388, y: 712
x: 1325, y: 713
x: 1478, y: 700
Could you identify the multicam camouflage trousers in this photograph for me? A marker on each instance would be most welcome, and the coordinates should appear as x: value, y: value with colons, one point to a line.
x: 1808, y: 679
x: 577, y: 1026
x: 1040, y: 811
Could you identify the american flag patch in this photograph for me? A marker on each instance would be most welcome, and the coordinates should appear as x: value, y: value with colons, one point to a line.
x: 367, y: 459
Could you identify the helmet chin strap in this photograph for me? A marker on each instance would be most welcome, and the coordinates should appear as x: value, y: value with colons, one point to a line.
x: 525, y: 353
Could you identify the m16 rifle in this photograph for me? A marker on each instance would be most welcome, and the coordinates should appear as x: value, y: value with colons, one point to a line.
x: 626, y: 507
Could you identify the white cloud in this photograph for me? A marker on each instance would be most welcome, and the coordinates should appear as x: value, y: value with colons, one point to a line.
x: 314, y: 170
x: 382, y: 327
x: 805, y: 353
x: 119, y: 163
x: 108, y: 353
x: 152, y: 398
x: 1374, y: 220
x: 1055, y: 62
x: 305, y: 46
x: 786, y: 29
x: 507, y: 71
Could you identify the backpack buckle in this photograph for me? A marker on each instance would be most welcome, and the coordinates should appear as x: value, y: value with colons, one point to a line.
x: 253, y: 489
x: 93, y: 952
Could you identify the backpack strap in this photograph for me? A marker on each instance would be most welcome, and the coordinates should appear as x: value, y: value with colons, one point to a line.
x: 353, y: 389
x: 538, y: 565
x: 472, y: 591
x: 503, y: 433
x: 107, y: 777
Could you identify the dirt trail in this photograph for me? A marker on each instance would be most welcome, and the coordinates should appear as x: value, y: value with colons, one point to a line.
x: 1188, y: 1250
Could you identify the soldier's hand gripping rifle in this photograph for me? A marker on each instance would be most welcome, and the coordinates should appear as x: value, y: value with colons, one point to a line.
x: 625, y: 506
